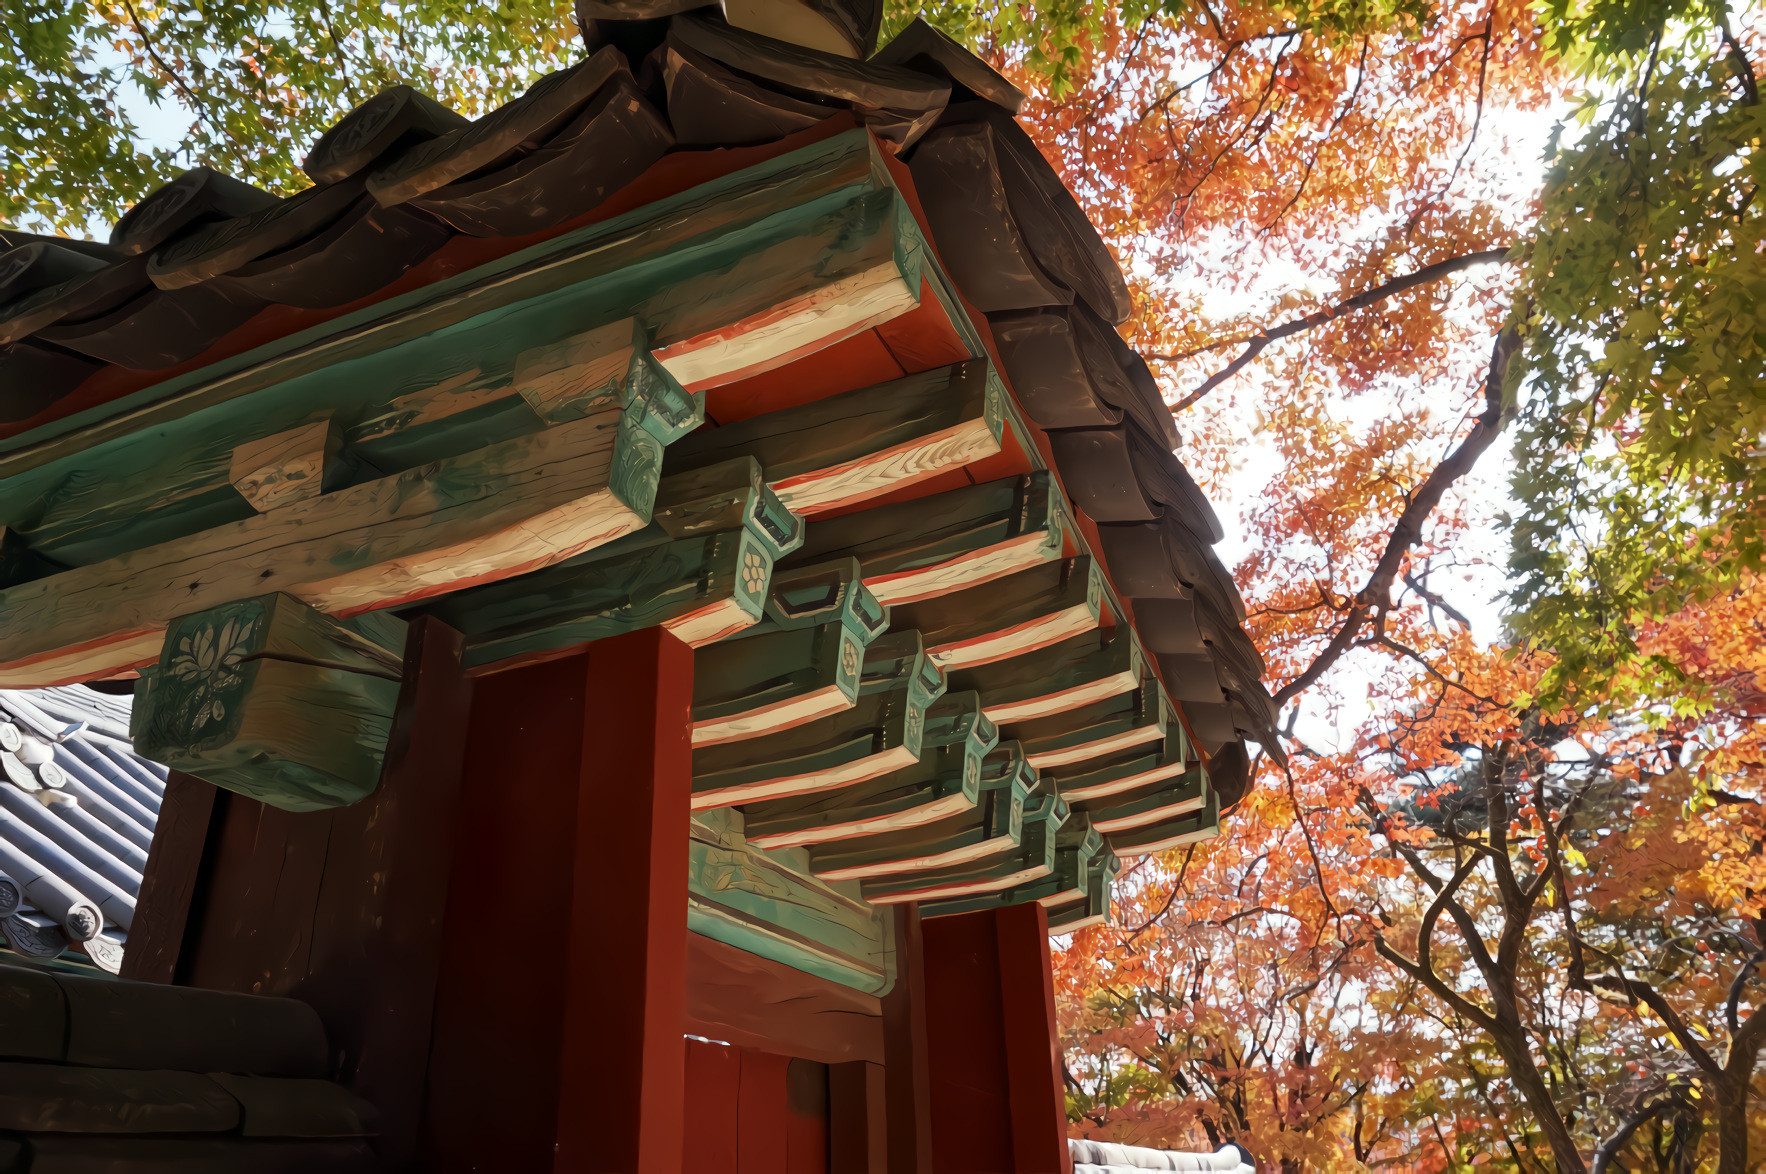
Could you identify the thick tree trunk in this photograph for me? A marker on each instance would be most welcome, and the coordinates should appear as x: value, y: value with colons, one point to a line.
x: 1731, y: 1113
x: 1510, y: 1038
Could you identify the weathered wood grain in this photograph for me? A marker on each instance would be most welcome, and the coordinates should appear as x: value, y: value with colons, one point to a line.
x: 769, y: 904
x: 512, y: 507
x: 288, y: 467
x: 845, y: 449
x: 168, y: 884
x: 1011, y: 616
x: 1032, y: 858
x: 942, y: 543
x: 1129, y: 811
x: 275, y: 700
x: 1158, y: 837
x: 990, y: 829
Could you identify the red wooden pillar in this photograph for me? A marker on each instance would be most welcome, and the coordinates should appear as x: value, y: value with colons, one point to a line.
x: 907, y: 1096
x: 622, y: 1071
x: 990, y: 1029
x: 562, y: 1002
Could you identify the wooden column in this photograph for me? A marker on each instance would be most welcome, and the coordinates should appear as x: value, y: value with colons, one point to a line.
x: 559, y: 1023
x: 1033, y: 1051
x: 907, y: 1088
x: 622, y: 1073
x: 995, y: 1071
x: 169, y: 884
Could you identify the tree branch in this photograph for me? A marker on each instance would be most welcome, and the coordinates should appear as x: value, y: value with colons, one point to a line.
x: 1256, y: 343
x: 1376, y: 595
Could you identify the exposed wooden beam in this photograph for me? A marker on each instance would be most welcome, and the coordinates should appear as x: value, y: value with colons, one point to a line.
x: 993, y: 827
x: 1013, y: 615
x: 1075, y: 672
x: 489, y: 514
x: 684, y: 572
x: 1158, y: 837
x: 1126, y: 772
x: 934, y: 545
x: 1161, y: 802
x: 840, y: 451
x: 1099, y: 730
x: 288, y: 467
x: 883, y: 732
x: 1033, y: 859
x: 274, y: 700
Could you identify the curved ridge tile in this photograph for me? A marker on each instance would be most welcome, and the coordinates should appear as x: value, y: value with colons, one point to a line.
x: 1100, y: 476
x: 505, y: 133
x: 1123, y: 378
x: 33, y: 376
x: 924, y: 49
x: 12, y: 238
x: 844, y: 27
x: 396, y: 118
x: 1170, y: 484
x: 962, y: 188
x: 28, y: 268
x: 192, y: 199
x: 713, y: 106
x: 365, y: 249
x: 158, y: 328
x: 1062, y: 237
x: 1053, y: 372
x: 613, y: 139
x: 81, y: 297
x: 875, y: 87
x: 1168, y: 627
x: 218, y: 249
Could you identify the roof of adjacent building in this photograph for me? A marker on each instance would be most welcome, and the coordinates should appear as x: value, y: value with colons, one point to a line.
x: 77, y: 811
x: 1107, y: 1157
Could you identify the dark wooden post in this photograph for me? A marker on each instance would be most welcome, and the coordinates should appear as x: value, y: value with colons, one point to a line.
x: 1033, y: 1051
x: 622, y: 1070
x: 990, y: 1029
x: 906, y: 1081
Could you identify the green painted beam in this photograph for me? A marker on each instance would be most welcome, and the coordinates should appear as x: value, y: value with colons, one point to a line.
x: 1116, y: 724
x: 768, y: 904
x: 1082, y: 670
x: 274, y: 700
x: 945, y: 542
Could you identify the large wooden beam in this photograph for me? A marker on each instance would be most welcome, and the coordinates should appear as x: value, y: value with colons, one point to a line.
x: 752, y: 1001
x: 489, y: 514
x: 1008, y: 617
x: 1100, y: 729
x: 840, y: 451
x: 882, y: 732
x: 934, y: 545
x: 274, y: 700
x: 769, y: 904
x: 1079, y: 671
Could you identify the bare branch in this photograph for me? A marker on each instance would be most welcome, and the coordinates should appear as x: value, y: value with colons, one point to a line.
x: 1256, y: 343
x: 1373, y: 598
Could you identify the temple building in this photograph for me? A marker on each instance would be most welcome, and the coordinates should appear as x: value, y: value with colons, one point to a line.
x: 635, y: 617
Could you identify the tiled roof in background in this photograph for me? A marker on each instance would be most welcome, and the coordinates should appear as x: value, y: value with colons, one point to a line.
x: 77, y: 809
